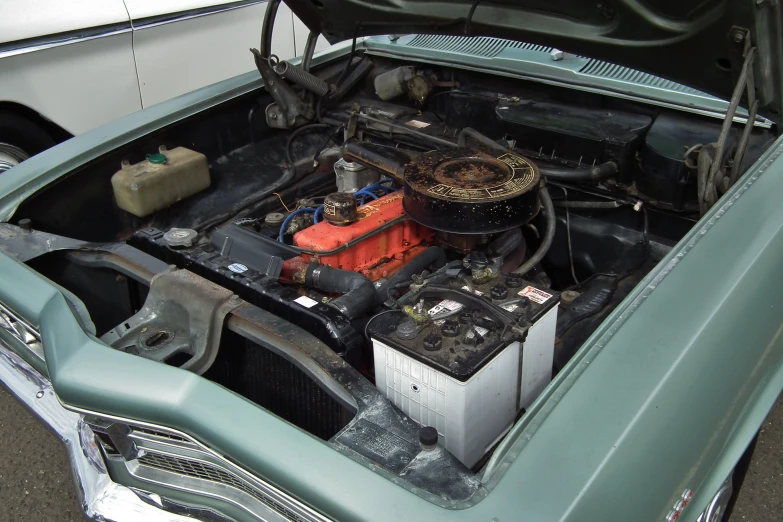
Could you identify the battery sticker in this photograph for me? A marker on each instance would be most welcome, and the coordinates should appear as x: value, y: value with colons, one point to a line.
x: 237, y: 268
x: 481, y: 331
x: 417, y: 124
x: 306, y: 301
x: 535, y: 295
x: 446, y: 304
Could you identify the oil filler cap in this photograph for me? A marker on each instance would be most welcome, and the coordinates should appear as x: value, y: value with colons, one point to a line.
x: 471, y: 191
x: 340, y: 209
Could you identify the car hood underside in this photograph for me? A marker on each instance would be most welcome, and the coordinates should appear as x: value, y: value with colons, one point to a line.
x: 700, y: 43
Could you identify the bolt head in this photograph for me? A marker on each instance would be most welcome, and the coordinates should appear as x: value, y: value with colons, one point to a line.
x: 499, y: 292
x: 407, y: 330
x: 39, y: 394
x: 514, y: 280
x: 450, y: 328
x: 738, y: 36
x: 466, y: 317
x: 433, y: 342
x: 568, y: 296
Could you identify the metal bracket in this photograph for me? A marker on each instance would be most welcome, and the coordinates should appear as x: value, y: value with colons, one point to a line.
x: 183, y: 313
x: 288, y: 109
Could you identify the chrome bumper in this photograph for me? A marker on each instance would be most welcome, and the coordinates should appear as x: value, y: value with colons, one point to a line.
x: 101, y: 498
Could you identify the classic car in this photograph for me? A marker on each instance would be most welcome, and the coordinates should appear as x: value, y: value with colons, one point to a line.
x: 481, y: 261
x: 69, y: 66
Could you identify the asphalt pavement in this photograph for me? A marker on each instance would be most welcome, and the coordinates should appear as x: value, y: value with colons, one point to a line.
x: 35, y: 479
x: 36, y: 484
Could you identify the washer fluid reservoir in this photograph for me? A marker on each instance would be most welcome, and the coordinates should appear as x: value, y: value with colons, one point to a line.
x: 160, y: 181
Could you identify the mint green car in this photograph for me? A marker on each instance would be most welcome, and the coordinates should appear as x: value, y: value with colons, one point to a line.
x: 480, y: 262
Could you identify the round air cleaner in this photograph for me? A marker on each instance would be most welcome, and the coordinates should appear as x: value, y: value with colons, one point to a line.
x: 471, y: 191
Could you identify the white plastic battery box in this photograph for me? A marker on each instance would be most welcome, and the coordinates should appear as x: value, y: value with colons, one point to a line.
x: 471, y: 393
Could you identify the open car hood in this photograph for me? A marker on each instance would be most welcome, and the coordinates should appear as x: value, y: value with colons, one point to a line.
x: 699, y: 43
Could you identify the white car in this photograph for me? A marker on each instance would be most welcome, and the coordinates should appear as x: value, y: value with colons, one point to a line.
x: 67, y: 66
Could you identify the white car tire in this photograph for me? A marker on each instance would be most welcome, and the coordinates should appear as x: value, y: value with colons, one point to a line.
x: 20, y: 138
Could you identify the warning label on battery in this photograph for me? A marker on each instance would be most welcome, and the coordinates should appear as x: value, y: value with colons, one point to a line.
x: 535, y: 295
x: 445, y: 305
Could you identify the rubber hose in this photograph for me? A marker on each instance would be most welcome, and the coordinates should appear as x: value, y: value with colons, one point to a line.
x: 549, y: 233
x: 291, y: 173
x: 358, y: 293
x: 431, y: 256
x: 604, y: 170
x: 506, y: 242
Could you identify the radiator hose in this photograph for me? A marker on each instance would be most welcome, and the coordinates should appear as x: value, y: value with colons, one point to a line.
x: 549, y: 233
x: 433, y: 255
x: 359, y: 295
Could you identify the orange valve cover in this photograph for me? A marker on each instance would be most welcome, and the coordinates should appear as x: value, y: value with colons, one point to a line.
x: 377, y: 256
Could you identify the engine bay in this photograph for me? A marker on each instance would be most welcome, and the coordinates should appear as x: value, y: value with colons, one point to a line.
x: 452, y: 237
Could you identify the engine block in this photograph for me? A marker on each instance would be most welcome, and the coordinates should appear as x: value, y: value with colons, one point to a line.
x: 376, y: 256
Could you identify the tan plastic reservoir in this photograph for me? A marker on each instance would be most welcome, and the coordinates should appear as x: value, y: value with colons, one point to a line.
x: 160, y: 181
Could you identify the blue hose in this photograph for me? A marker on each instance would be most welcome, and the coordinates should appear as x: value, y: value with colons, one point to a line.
x: 287, y: 221
x: 379, y: 186
x: 315, y: 214
x: 363, y: 193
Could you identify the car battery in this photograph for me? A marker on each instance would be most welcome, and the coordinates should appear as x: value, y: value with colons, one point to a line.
x: 470, y: 369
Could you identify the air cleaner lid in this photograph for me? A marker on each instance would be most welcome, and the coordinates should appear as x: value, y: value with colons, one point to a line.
x: 471, y: 191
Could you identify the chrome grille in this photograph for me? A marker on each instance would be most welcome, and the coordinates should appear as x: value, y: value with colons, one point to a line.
x: 206, y: 471
x: 22, y: 331
x: 158, y: 433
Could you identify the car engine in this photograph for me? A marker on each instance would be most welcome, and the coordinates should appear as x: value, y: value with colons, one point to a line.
x: 446, y: 238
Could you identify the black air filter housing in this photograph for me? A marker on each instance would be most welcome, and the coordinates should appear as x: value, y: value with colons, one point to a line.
x: 471, y: 191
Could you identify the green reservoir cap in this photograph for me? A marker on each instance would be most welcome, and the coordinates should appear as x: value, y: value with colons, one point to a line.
x: 157, y: 159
